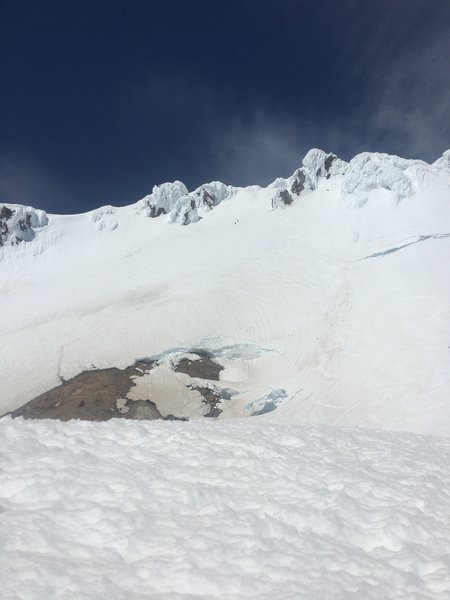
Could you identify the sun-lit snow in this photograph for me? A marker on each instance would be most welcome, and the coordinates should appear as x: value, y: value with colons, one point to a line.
x: 205, y: 510
x: 18, y: 223
x: 344, y: 294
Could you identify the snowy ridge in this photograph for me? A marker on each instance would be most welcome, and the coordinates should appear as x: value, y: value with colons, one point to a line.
x: 177, y: 511
x: 185, y: 208
x: 341, y: 339
x: 366, y: 172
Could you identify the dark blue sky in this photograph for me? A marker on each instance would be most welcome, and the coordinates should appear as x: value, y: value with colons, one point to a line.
x: 100, y: 100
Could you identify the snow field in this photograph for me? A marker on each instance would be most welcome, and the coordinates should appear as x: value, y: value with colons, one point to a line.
x: 202, y: 510
x: 346, y: 290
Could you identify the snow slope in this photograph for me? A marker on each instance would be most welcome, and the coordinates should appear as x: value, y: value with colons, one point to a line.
x: 205, y: 510
x: 326, y: 295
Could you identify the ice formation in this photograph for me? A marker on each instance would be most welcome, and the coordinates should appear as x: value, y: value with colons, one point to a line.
x: 443, y: 163
x: 18, y: 223
x: 181, y: 206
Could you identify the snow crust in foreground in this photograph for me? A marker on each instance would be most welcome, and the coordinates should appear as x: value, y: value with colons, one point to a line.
x: 164, y: 510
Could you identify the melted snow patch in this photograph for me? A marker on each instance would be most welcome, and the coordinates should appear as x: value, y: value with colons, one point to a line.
x: 168, y: 510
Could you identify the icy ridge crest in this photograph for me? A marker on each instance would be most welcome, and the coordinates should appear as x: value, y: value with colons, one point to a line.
x: 443, y: 163
x: 181, y: 205
x: 365, y: 173
x: 402, y: 177
x: 18, y: 223
x: 316, y: 165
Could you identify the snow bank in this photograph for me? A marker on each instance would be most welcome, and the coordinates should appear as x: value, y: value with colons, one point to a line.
x: 124, y: 510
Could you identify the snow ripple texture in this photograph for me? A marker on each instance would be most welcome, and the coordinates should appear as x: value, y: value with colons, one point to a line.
x: 124, y: 510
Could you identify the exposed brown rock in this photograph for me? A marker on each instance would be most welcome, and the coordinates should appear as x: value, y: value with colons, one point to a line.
x: 91, y: 396
x: 102, y: 394
x: 204, y: 367
x: 298, y: 185
x: 210, y: 397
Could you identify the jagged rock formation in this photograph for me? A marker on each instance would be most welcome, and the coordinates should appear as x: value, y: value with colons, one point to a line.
x: 17, y: 223
x: 182, y: 206
x: 366, y: 172
x: 203, y: 366
x: 317, y: 165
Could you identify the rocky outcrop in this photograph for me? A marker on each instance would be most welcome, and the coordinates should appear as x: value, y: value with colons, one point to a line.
x: 282, y: 198
x: 170, y: 198
x: 366, y: 172
x: 182, y: 206
x: 91, y: 395
x: 202, y: 366
x: 103, y: 394
x: 298, y: 184
x: 18, y: 223
x: 97, y: 395
x: 316, y: 165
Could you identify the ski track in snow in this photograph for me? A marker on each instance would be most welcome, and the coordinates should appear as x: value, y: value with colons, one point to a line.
x: 173, y: 511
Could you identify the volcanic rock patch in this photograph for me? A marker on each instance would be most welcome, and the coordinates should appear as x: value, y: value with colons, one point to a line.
x: 97, y: 395
x: 212, y: 397
x: 178, y: 384
x: 204, y: 367
x: 102, y: 394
